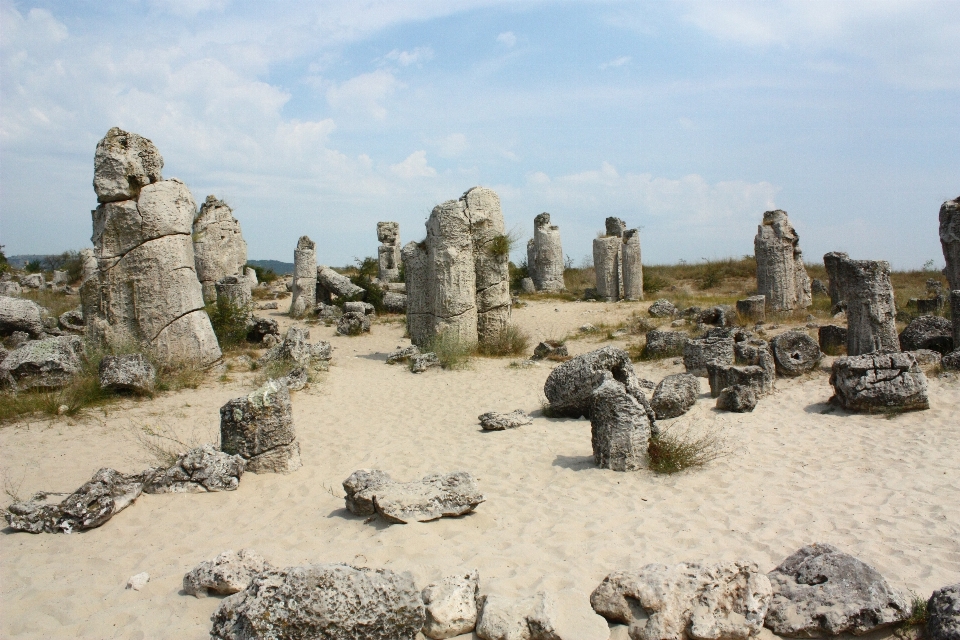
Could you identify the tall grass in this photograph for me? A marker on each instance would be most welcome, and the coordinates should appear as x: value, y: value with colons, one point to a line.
x: 452, y: 352
x: 677, y: 448
x: 513, y: 341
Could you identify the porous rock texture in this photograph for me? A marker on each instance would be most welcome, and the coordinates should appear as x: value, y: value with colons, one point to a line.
x: 697, y: 353
x: 755, y: 352
x: 18, y: 314
x: 295, y: 349
x: 403, y: 354
x: 497, y: 421
x: 218, y: 246
x: 421, y: 362
x: 333, y: 602
x: 722, y: 376
x: 545, y: 255
x: 10, y: 288
x: 42, y: 364
x: 388, y: 253
x: 563, y: 615
x: 435, y: 496
x: 943, y: 614
x: 864, y: 285
x: 795, y: 353
x: 752, y: 309
x: 260, y: 328
x: 304, y: 289
x: 739, y: 398
x: 394, y: 302
x: 632, y: 266
x: 451, y: 606
x: 723, y: 601
x: 199, y: 470
x: 228, y: 573
x: 878, y: 383
x: 831, y: 261
x: 72, y: 320
x: 675, y: 395
x: 145, y: 290
x: 928, y: 332
x: 664, y: 344
x: 259, y: 427
x: 819, y: 590
x: 569, y: 387
x: 955, y: 314
x: 950, y: 240
x: 781, y: 276
x: 606, y: 266
x: 353, y: 323
x: 662, y: 308
x: 620, y: 427
x: 128, y: 372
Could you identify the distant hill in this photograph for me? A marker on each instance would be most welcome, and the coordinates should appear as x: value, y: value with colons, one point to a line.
x: 279, y: 268
x: 18, y: 262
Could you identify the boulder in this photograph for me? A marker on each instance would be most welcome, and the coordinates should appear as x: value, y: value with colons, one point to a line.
x: 43, y: 364
x: 234, y: 292
x: 752, y: 309
x: 394, y: 302
x: 819, y: 590
x: 569, y: 387
x: 720, y: 601
x: 565, y: 615
x: 620, y: 427
x: 722, y: 376
x: 878, y: 383
x: 697, y: 353
x: 72, y: 320
x: 943, y: 614
x: 296, y: 379
x: 333, y: 601
x: 364, y: 308
x: 781, y: 276
x: 18, y: 314
x: 403, y: 354
x: 138, y: 581
x: 199, y: 470
x: 739, y: 398
x: 545, y: 256
x: 259, y: 427
x: 451, y: 606
x: 230, y: 572
x: 260, y: 328
x: 719, y: 316
x: 675, y: 395
x: 353, y: 323
x: 496, y: 421
x: 123, y: 164
x: 218, y: 247
x: 757, y: 353
x: 662, y: 308
x: 951, y: 361
x: 435, y: 496
x: 928, y: 332
x: 527, y: 285
x: 33, y: 281
x: 11, y: 289
x: 421, y: 362
x: 664, y: 344
x: 388, y: 253
x: 832, y: 339
x: 550, y: 350
x: 337, y: 284
x: 296, y: 349
x: 615, y: 226
x: 128, y: 372
x: 795, y: 353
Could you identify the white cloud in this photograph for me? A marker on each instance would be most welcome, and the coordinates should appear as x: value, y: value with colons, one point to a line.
x: 415, y: 166
x: 453, y: 145
x: 507, y: 38
x: 365, y: 92
x: 406, y: 58
x: 616, y: 62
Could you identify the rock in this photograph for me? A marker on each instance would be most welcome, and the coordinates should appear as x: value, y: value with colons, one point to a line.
x: 230, y: 572
x: 550, y: 350
x: 950, y: 241
x: 357, y: 307
x: 697, y: 353
x: 587, y: 328
x: 259, y: 427
x: 352, y: 323
x: 337, y: 284
x: 864, y: 285
x: 296, y: 379
x: 199, y: 470
x: 739, y: 398
x: 328, y: 311
x: 752, y: 309
x: 565, y: 615
x: 526, y: 284
x: 266, y: 306
x: 955, y: 314
x: 423, y: 361
x: 795, y: 353
x: 781, y: 276
x: 107, y: 493
x: 698, y: 601
x: 451, y: 606
x: 817, y: 288
x: 664, y: 344
x: 17, y: 339
x: 820, y: 590
x: 333, y: 601
x: 123, y: 164
x: 18, y: 314
x: 260, y: 328
x: 395, y: 302
x: 388, y: 253
x: 545, y: 256
x: 305, y: 277
x: 951, y: 361
x: 72, y: 320
x: 662, y: 308
x: 496, y: 421
x: 234, y: 292
x: 218, y: 247
x: 631, y: 266
x: 138, y: 581
x: 33, y: 281
x: 926, y: 357
x: 10, y: 289
x: 434, y: 497
x: 675, y: 395
x: 718, y: 316
x: 943, y: 614
x: 757, y: 353
x: 296, y: 349
x: 876, y: 383
x: 620, y: 427
x: 615, y: 226
x: 129, y: 372
x: 832, y: 339
x: 722, y: 376
x: 928, y: 332
x: 569, y: 387
x: 503, y: 618
x: 403, y: 354
x: 606, y: 265
x: 43, y: 364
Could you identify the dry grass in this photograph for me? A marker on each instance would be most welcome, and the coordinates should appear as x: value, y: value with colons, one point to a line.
x: 56, y: 303
x: 162, y: 444
x: 678, y: 447
x: 452, y: 352
x: 514, y: 341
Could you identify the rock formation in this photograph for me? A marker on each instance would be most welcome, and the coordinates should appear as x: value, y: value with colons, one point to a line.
x: 230, y: 572
x: 569, y: 387
x: 19, y: 314
x: 752, y: 309
x: 545, y: 255
x: 950, y: 241
x: 675, y: 395
x: 781, y: 276
x: 943, y: 614
x: 620, y: 427
x: 864, y: 285
x: 631, y: 266
x: 128, y: 372
x: 739, y: 398
x: 259, y: 427
x: 42, y: 364
x: 498, y: 421
x: 928, y: 332
x: 617, y: 262
x: 388, y: 254
x: 451, y: 606
x: 199, y: 470
x: 304, y: 291
x: 831, y: 262
x: 879, y: 383
x: 145, y: 289
x: 564, y: 615
x: 697, y: 353
x: 795, y: 353
x: 664, y: 344
x: 435, y: 496
x: 218, y: 246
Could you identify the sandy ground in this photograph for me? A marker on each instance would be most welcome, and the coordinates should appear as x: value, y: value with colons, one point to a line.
x: 883, y: 489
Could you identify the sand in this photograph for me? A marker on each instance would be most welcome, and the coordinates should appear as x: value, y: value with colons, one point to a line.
x: 883, y: 489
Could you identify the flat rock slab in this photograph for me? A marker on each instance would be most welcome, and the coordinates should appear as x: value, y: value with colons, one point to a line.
x: 43, y: 364
x: 434, y: 497
x: 129, y: 372
x: 878, y: 383
x: 497, y: 421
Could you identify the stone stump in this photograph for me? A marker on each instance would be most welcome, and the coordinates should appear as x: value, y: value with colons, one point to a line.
x: 632, y: 266
x: 233, y: 291
x: 304, y: 291
x: 218, y: 245
x: 545, y: 255
x: 617, y: 262
x: 491, y: 262
x: 879, y: 383
x: 871, y: 311
x: 606, y: 265
x: 620, y: 427
x: 795, y: 353
x: 388, y: 253
x: 697, y: 353
x: 781, y: 276
x: 831, y: 261
x: 259, y: 427
x: 752, y: 309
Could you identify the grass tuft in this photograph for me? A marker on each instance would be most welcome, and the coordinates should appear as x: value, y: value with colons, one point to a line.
x: 451, y: 351
x: 229, y: 322
x: 677, y: 448
x: 513, y: 341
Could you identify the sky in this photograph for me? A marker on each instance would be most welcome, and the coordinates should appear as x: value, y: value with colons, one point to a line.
x: 687, y: 119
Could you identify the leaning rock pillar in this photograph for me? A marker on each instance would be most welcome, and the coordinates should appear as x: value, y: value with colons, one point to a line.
x: 304, y: 297
x: 632, y: 266
x: 871, y: 310
x: 781, y: 276
x: 545, y: 255
x: 389, y: 253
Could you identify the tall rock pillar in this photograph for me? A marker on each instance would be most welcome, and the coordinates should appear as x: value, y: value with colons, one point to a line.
x: 632, y: 265
x: 545, y: 255
x: 389, y: 252
x: 781, y: 276
x: 218, y: 246
x: 304, y: 291
x: 491, y: 252
x: 831, y: 261
x: 871, y: 310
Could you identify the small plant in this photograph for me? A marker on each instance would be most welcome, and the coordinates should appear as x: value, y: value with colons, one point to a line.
x: 653, y: 283
x: 263, y: 274
x: 512, y: 341
x: 451, y: 351
x: 33, y: 266
x: 677, y: 448
x: 229, y: 322
x: 713, y: 275
x: 503, y: 244
x: 162, y: 445
x: 915, y: 626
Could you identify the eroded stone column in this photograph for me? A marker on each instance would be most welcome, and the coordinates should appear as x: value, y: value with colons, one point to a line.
x: 831, y: 261
x: 389, y: 252
x: 304, y: 297
x: 451, y: 273
x: 781, y: 276
x: 871, y: 310
x: 419, y: 310
x: 218, y: 245
x: 545, y: 255
x: 632, y: 265
x: 491, y: 251
x: 606, y: 265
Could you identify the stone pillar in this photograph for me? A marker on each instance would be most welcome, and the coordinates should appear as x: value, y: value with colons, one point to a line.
x: 950, y: 241
x: 615, y: 226
x: 89, y: 262
x: 451, y: 273
x: 632, y: 265
x: 955, y: 315
x: 388, y: 254
x: 871, y: 311
x: 606, y: 265
x: 235, y: 291
x: 781, y: 276
x: 831, y: 262
x: 419, y: 315
x: 491, y: 251
x: 304, y: 291
x: 145, y: 289
x: 752, y: 309
x: 545, y: 255
x: 218, y: 245
x: 251, y: 277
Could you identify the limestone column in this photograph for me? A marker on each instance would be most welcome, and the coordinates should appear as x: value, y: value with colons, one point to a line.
x: 831, y: 261
x: 632, y: 265
x: 950, y: 240
x: 781, y: 276
x: 545, y: 255
x: 871, y: 311
x: 491, y: 262
x: 955, y: 314
x: 304, y: 297
x: 606, y: 265
x: 218, y: 245
x: 451, y: 272
x: 419, y: 316
x: 388, y: 254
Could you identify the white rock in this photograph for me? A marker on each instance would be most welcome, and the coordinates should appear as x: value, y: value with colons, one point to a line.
x: 138, y: 581
x: 451, y: 606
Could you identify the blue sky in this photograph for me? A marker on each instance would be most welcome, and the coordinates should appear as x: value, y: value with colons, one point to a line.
x: 687, y: 119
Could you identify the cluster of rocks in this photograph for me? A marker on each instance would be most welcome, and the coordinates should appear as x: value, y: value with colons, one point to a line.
x: 781, y: 277
x: 545, y: 257
x: 618, y: 263
x: 370, y: 492
x: 355, y: 318
x: 294, y: 353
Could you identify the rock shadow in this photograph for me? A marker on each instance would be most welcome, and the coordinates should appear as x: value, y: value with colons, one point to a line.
x: 575, y: 463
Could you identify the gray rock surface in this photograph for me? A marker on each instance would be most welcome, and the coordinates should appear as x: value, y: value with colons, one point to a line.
x: 259, y: 427
x: 795, y: 353
x: 295, y: 349
x: 33, y: 281
x: 353, y: 323
x: 497, y: 421
x: 128, y: 372
x: 359, y: 501
x: 723, y: 601
x: 752, y: 309
x: 72, y: 321
x: 234, y: 291
x: 230, y: 572
x: 697, y: 353
x: 722, y: 376
x: 928, y: 332
x: 831, y: 261
x: 218, y: 246
x: 43, y: 364
x: 877, y: 383
x: 569, y: 387
x: 662, y: 308
x: 675, y: 395
x: 951, y: 361
x: 11, y: 289
x: 819, y: 590
x: 631, y: 266
x: 18, y: 314
x: 420, y: 306
x: 950, y: 241
x: 491, y: 263
x: 451, y: 606
x: 664, y: 344
x: 333, y: 602
x: 123, y: 164
x: 943, y: 614
x: 832, y: 339
x: 395, y: 302
x: 388, y: 253
x: 620, y: 427
x: 435, y: 496
x: 545, y: 255
x: 199, y: 470
x: 755, y: 352
x: 550, y: 350
x: 423, y: 361
x: 403, y: 354
x: 739, y: 398
x: 606, y: 266
x: 305, y: 277
x: 260, y: 328
x: 781, y: 276
x: 296, y: 379
x: 337, y: 284
x: 864, y: 286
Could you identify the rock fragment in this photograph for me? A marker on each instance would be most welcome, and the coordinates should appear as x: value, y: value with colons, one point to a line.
x: 305, y: 276
x: 123, y: 164
x: 18, y: 314
x: 230, y: 572
x: 451, y: 606
x: 259, y: 427
x: 675, y: 395
x: 662, y: 308
x: 129, y: 372
x: 697, y: 353
x: 569, y: 387
x: 620, y: 427
x: 403, y: 354
x: 877, y: 383
x: 388, y: 253
x: 943, y: 614
x: 739, y: 398
x: 752, y: 309
x: 664, y: 344
x: 199, y: 470
x: 497, y: 421
x: 353, y: 323
x: 433, y: 497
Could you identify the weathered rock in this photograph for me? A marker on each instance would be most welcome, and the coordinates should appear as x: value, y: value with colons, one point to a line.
x: 781, y: 276
x: 757, y: 353
x: 422, y: 362
x: 675, y: 395
x: 620, y: 427
x: 123, y: 164
x: 928, y: 332
x: 491, y: 262
x: 17, y: 339
x: 664, y: 344
x: 723, y: 601
x: 337, y: 284
x: 43, y: 364
x: 606, y: 265
x: 569, y: 387
x: 107, y: 493
x: 615, y: 226
x: 11, y: 289
x: 296, y: 379
x: 876, y: 383
x: 722, y: 376
x: 433, y: 497
x: 234, y: 292
x: 33, y: 281
x: 18, y: 314
x: 795, y: 353
x: 403, y: 354
x: 199, y: 470
x: 218, y: 246
x: 259, y: 427
x: 631, y: 266
x: 295, y: 348
x: 739, y: 398
x: 129, y: 372
x: 817, y: 287
x: 943, y: 614
x: 832, y: 339
x: 820, y: 590
x: 352, y: 323
x: 333, y: 601
x: 451, y: 606
x: 359, y: 307
x: 926, y: 357
x: 831, y: 261
x: 138, y: 581
x: 497, y: 421
x: 260, y: 328
x: 565, y: 615
x: 502, y: 618
x: 230, y: 572
x: 395, y: 302
x: 950, y: 241
x: 420, y: 307
x: 697, y: 353
x: 388, y: 253
x: 550, y: 350
x: 305, y: 277
x: 951, y: 361
x: 60, y: 278
x: 752, y: 309
x: 662, y: 308
x: 545, y: 256
x: 955, y: 315
x: 864, y: 286
x: 72, y: 320
x: 718, y: 316
x: 526, y: 284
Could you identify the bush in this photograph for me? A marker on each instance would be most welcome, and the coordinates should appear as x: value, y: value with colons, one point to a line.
x: 517, y: 273
x: 653, y: 283
x: 33, y: 266
x: 452, y: 352
x: 4, y: 265
x: 675, y: 449
x: 367, y: 269
x: 229, y: 322
x: 263, y: 274
x: 513, y: 341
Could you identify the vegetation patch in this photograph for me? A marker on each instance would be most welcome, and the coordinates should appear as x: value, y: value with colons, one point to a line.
x: 677, y: 448
x: 513, y: 341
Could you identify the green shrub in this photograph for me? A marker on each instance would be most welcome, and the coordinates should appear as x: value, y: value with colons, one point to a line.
x: 653, y: 283
x: 366, y: 270
x: 513, y: 341
x: 33, y: 266
x: 4, y: 265
x: 263, y: 274
x: 451, y: 351
x: 517, y: 273
x: 229, y: 322
x: 675, y: 449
